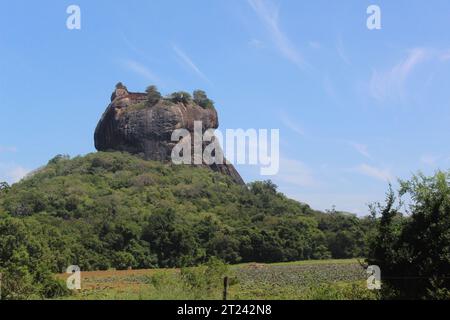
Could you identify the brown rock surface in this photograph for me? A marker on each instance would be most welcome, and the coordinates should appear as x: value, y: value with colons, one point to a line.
x: 128, y: 124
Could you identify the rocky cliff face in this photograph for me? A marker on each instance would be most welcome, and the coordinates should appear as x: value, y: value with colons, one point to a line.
x: 130, y: 125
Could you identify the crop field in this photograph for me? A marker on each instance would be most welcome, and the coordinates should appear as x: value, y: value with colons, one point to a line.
x: 326, y: 279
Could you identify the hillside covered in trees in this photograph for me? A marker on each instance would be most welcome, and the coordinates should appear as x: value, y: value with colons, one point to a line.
x: 116, y: 210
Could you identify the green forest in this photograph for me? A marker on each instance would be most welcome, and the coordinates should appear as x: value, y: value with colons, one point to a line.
x: 116, y: 210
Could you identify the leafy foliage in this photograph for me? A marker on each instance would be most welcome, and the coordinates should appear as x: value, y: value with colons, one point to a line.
x: 414, y: 252
x: 205, y: 279
x: 180, y: 97
x: 120, y: 85
x: 26, y: 260
x: 346, y: 235
x: 115, y: 210
x: 4, y: 187
x: 153, y: 96
x: 202, y: 100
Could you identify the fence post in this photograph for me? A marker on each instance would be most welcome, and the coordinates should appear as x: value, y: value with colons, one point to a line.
x: 225, y: 288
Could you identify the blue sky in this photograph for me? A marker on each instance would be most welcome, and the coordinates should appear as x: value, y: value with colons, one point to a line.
x: 356, y: 108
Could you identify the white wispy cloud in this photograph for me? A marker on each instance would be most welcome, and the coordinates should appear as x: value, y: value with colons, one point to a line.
x: 329, y: 88
x: 268, y: 13
x: 360, y: 148
x: 374, y: 172
x: 255, y: 43
x: 141, y: 70
x: 7, y: 149
x: 187, y: 61
x: 296, y: 173
x: 356, y: 203
x: 444, y: 55
x: 12, y: 173
x: 390, y: 83
x: 315, y: 45
x: 287, y: 121
x: 341, y: 50
x: 429, y: 159
x: 133, y: 47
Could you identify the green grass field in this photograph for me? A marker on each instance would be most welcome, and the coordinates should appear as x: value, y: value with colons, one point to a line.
x: 324, y: 279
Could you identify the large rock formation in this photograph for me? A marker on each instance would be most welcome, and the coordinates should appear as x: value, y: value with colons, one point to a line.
x: 130, y: 124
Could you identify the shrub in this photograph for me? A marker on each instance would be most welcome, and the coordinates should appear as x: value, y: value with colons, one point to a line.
x: 54, y: 288
x: 206, y: 279
x: 58, y: 158
x: 180, y: 97
x: 4, y: 187
x: 120, y: 85
x: 153, y: 96
x: 202, y: 100
x: 124, y: 260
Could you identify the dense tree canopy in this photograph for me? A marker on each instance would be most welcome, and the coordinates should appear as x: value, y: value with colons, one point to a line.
x: 414, y: 252
x: 115, y: 210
